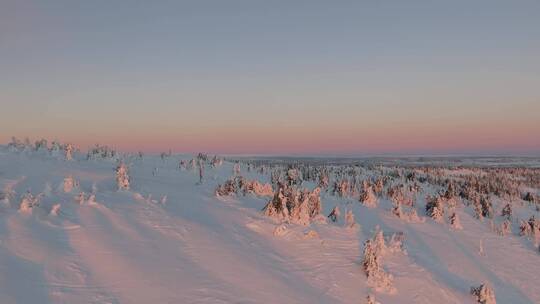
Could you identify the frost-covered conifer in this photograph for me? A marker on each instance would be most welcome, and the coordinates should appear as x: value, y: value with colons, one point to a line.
x: 455, y: 222
x: 122, y: 177
x: 342, y: 188
x: 487, y: 207
x: 371, y: 300
x: 397, y: 211
x: 69, y: 184
x: 372, y: 266
x: 41, y: 145
x: 334, y: 215
x: 434, y: 208
x: 68, y: 150
x: 55, y: 210
x: 201, y: 171
x: 368, y: 198
x: 525, y: 228
x: 289, y: 204
x: 484, y: 294
x: 349, y: 219
x: 506, y: 228
x: 236, y: 169
x: 507, y: 211
x: 324, y: 180
x: 28, y: 201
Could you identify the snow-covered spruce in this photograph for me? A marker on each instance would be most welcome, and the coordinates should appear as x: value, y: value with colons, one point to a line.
x: 257, y: 188
x: 342, y: 188
x: 507, y: 211
x: 368, y: 197
x: 69, y: 184
x: 505, y: 228
x: 28, y: 201
x: 455, y: 223
x: 334, y: 214
x: 372, y: 265
x: 434, y: 208
x: 68, y: 150
x: 238, y: 184
x: 487, y: 207
x: 292, y: 205
x: 122, y: 177
x: 484, y: 294
x: 371, y: 300
x: 101, y: 152
x: 349, y: 219
x: 55, y: 210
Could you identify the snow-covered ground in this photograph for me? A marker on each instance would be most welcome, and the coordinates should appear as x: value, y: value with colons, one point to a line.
x: 169, y: 239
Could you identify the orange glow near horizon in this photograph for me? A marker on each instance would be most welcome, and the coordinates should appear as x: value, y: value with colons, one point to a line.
x: 313, y: 140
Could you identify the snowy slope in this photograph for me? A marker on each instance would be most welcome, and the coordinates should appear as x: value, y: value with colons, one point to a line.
x: 170, y: 240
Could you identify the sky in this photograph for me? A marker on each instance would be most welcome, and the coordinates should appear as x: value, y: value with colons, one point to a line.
x: 274, y: 77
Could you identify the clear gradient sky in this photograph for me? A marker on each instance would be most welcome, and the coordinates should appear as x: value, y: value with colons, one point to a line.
x: 274, y: 77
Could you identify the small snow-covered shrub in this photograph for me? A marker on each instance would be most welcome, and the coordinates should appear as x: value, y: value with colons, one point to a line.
x: 371, y: 300
x: 280, y: 230
x: 484, y: 294
x: 28, y: 201
x: 69, y: 184
x: 55, y: 210
x: 311, y: 234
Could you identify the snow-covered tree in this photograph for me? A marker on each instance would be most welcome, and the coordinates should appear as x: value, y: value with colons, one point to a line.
x: 293, y: 177
x: 368, y: 197
x: 69, y: 184
x: 371, y: 300
x: 434, y: 208
x: 41, y: 145
x: 487, y: 207
x: 397, y: 211
x: 455, y: 222
x: 506, y: 228
x: 341, y: 188
x: 289, y: 204
x: 122, y: 176
x: 236, y: 169
x: 372, y: 266
x: 524, y: 228
x: 349, y: 219
x: 28, y: 201
x: 334, y: 215
x: 507, y: 211
x: 68, y: 150
x: 484, y: 294
x: 201, y: 171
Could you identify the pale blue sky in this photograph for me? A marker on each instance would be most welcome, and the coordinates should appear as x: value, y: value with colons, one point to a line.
x: 191, y: 71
